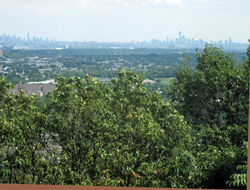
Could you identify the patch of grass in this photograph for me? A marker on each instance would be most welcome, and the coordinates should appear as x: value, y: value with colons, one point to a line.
x: 166, y: 81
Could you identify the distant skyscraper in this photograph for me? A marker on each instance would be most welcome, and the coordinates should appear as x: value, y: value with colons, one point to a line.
x: 230, y: 41
x: 28, y: 36
x: 1, y: 53
x: 180, y: 39
x: 4, y: 36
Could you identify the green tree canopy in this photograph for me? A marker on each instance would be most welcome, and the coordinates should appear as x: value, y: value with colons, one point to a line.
x: 215, y: 93
x: 214, y: 100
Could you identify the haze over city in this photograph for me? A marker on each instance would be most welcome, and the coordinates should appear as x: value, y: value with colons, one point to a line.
x: 124, y: 21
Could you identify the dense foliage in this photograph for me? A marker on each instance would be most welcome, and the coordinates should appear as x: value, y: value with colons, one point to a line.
x: 214, y: 100
x: 89, y: 133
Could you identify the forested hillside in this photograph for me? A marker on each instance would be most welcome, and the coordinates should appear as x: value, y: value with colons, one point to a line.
x: 90, y: 133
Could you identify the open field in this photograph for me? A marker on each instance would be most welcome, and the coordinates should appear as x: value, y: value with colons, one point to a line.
x: 166, y: 81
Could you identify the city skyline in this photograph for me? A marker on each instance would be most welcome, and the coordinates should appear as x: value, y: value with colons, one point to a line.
x: 178, y: 42
x: 180, y: 39
x: 126, y: 20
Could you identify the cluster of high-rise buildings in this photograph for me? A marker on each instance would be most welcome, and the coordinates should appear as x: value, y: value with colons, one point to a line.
x: 14, y: 39
x: 181, y: 40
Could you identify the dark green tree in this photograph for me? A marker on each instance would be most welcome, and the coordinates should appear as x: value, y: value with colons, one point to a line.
x: 214, y: 100
x: 23, y: 148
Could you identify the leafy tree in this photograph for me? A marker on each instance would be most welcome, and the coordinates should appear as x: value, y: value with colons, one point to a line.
x: 216, y: 93
x: 4, y: 87
x: 23, y: 156
x: 119, y: 136
x: 75, y: 112
x: 239, y: 178
x: 147, y: 131
x: 214, y: 100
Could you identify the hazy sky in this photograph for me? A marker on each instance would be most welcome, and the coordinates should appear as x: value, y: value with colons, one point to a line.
x: 126, y: 20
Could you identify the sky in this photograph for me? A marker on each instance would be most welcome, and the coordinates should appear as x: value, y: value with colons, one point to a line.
x: 126, y: 20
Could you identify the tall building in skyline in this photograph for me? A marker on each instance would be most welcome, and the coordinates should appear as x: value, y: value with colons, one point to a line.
x: 1, y: 53
x: 28, y: 36
x: 179, y: 35
x: 230, y: 41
